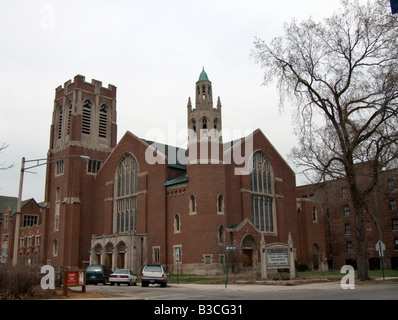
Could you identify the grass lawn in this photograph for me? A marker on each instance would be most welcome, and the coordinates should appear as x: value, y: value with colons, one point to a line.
x: 307, y: 275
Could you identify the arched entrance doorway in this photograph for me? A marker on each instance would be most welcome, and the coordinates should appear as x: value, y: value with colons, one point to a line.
x: 96, y: 254
x: 249, y: 251
x: 108, y: 255
x: 121, y: 254
x: 315, y: 256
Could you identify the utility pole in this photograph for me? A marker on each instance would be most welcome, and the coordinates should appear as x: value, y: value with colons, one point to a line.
x: 18, y: 215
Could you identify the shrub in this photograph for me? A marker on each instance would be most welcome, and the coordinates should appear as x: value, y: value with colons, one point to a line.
x: 18, y: 282
x: 301, y: 267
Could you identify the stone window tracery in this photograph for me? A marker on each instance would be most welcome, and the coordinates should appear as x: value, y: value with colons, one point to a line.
x: 261, y: 188
x: 126, y: 194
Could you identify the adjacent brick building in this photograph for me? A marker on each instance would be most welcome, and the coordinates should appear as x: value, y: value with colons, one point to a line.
x: 333, y: 200
x: 30, y: 230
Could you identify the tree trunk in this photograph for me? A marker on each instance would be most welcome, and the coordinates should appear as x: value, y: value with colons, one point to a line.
x: 361, y: 249
x: 376, y: 219
x: 359, y: 204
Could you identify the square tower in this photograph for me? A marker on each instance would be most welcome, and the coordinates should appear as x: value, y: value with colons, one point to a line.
x: 83, y: 134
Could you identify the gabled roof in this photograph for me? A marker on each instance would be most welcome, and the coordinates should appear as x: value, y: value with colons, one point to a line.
x: 170, y: 152
x: 238, y: 226
x: 232, y: 144
x: 177, y: 157
x: 11, y: 203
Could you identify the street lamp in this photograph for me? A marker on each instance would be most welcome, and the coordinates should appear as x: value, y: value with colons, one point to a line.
x: 19, y: 202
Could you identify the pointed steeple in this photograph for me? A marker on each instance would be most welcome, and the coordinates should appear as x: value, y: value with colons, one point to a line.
x: 189, y: 105
x: 204, y: 95
x: 204, y: 118
x: 203, y: 76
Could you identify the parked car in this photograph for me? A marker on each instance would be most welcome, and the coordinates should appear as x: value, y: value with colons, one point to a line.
x: 123, y: 276
x: 97, y: 274
x: 154, y: 273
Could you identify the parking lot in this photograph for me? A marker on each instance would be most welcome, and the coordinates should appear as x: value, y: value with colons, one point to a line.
x: 314, y: 291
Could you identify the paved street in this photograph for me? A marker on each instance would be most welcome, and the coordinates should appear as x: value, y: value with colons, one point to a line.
x: 315, y: 291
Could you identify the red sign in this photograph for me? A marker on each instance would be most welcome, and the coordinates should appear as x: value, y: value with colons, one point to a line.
x: 73, y: 278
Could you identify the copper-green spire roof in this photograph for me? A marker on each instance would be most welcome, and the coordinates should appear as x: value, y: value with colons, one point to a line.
x: 203, y: 76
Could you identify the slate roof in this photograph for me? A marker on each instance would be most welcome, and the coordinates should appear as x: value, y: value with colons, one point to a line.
x: 11, y: 202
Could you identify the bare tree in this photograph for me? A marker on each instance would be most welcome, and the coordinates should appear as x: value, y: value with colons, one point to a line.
x: 343, y: 73
x: 2, y: 165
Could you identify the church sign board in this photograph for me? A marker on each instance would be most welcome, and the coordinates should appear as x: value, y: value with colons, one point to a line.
x: 278, y: 257
x: 74, y: 278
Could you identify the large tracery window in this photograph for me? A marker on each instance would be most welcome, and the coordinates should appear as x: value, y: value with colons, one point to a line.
x: 262, y: 193
x: 126, y: 194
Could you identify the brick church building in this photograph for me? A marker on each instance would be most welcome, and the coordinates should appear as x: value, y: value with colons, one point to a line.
x: 134, y: 202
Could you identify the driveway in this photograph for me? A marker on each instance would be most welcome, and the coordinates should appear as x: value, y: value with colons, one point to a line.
x: 314, y: 291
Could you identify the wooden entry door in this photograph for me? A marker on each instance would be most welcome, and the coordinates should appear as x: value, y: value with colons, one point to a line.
x: 121, y: 260
x: 247, y: 255
x: 315, y: 262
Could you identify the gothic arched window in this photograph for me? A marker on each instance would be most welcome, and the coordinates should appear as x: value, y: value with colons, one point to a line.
x: 126, y: 194
x: 103, y: 121
x: 204, y: 127
x: 192, y: 204
x: 220, y: 204
x: 215, y: 122
x: 55, y: 248
x: 193, y: 125
x: 86, y: 118
x: 60, y: 111
x: 57, y: 208
x: 69, y: 110
x: 262, y: 192
x: 221, y: 235
x: 177, y: 223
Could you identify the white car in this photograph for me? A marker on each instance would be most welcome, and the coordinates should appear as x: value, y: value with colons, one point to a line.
x: 153, y: 273
x: 123, y: 276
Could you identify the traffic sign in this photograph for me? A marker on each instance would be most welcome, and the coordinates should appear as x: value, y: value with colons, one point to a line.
x: 380, y: 247
x: 228, y: 248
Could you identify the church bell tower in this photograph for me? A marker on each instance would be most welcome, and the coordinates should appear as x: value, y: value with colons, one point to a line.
x: 204, y: 122
x: 82, y: 135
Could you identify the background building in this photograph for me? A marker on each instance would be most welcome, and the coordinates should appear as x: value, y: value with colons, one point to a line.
x: 30, y: 230
x: 333, y: 200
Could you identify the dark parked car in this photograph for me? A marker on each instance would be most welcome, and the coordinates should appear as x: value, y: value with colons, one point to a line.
x: 98, y: 274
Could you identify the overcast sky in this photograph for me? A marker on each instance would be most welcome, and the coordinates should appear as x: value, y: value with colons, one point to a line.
x: 153, y: 52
